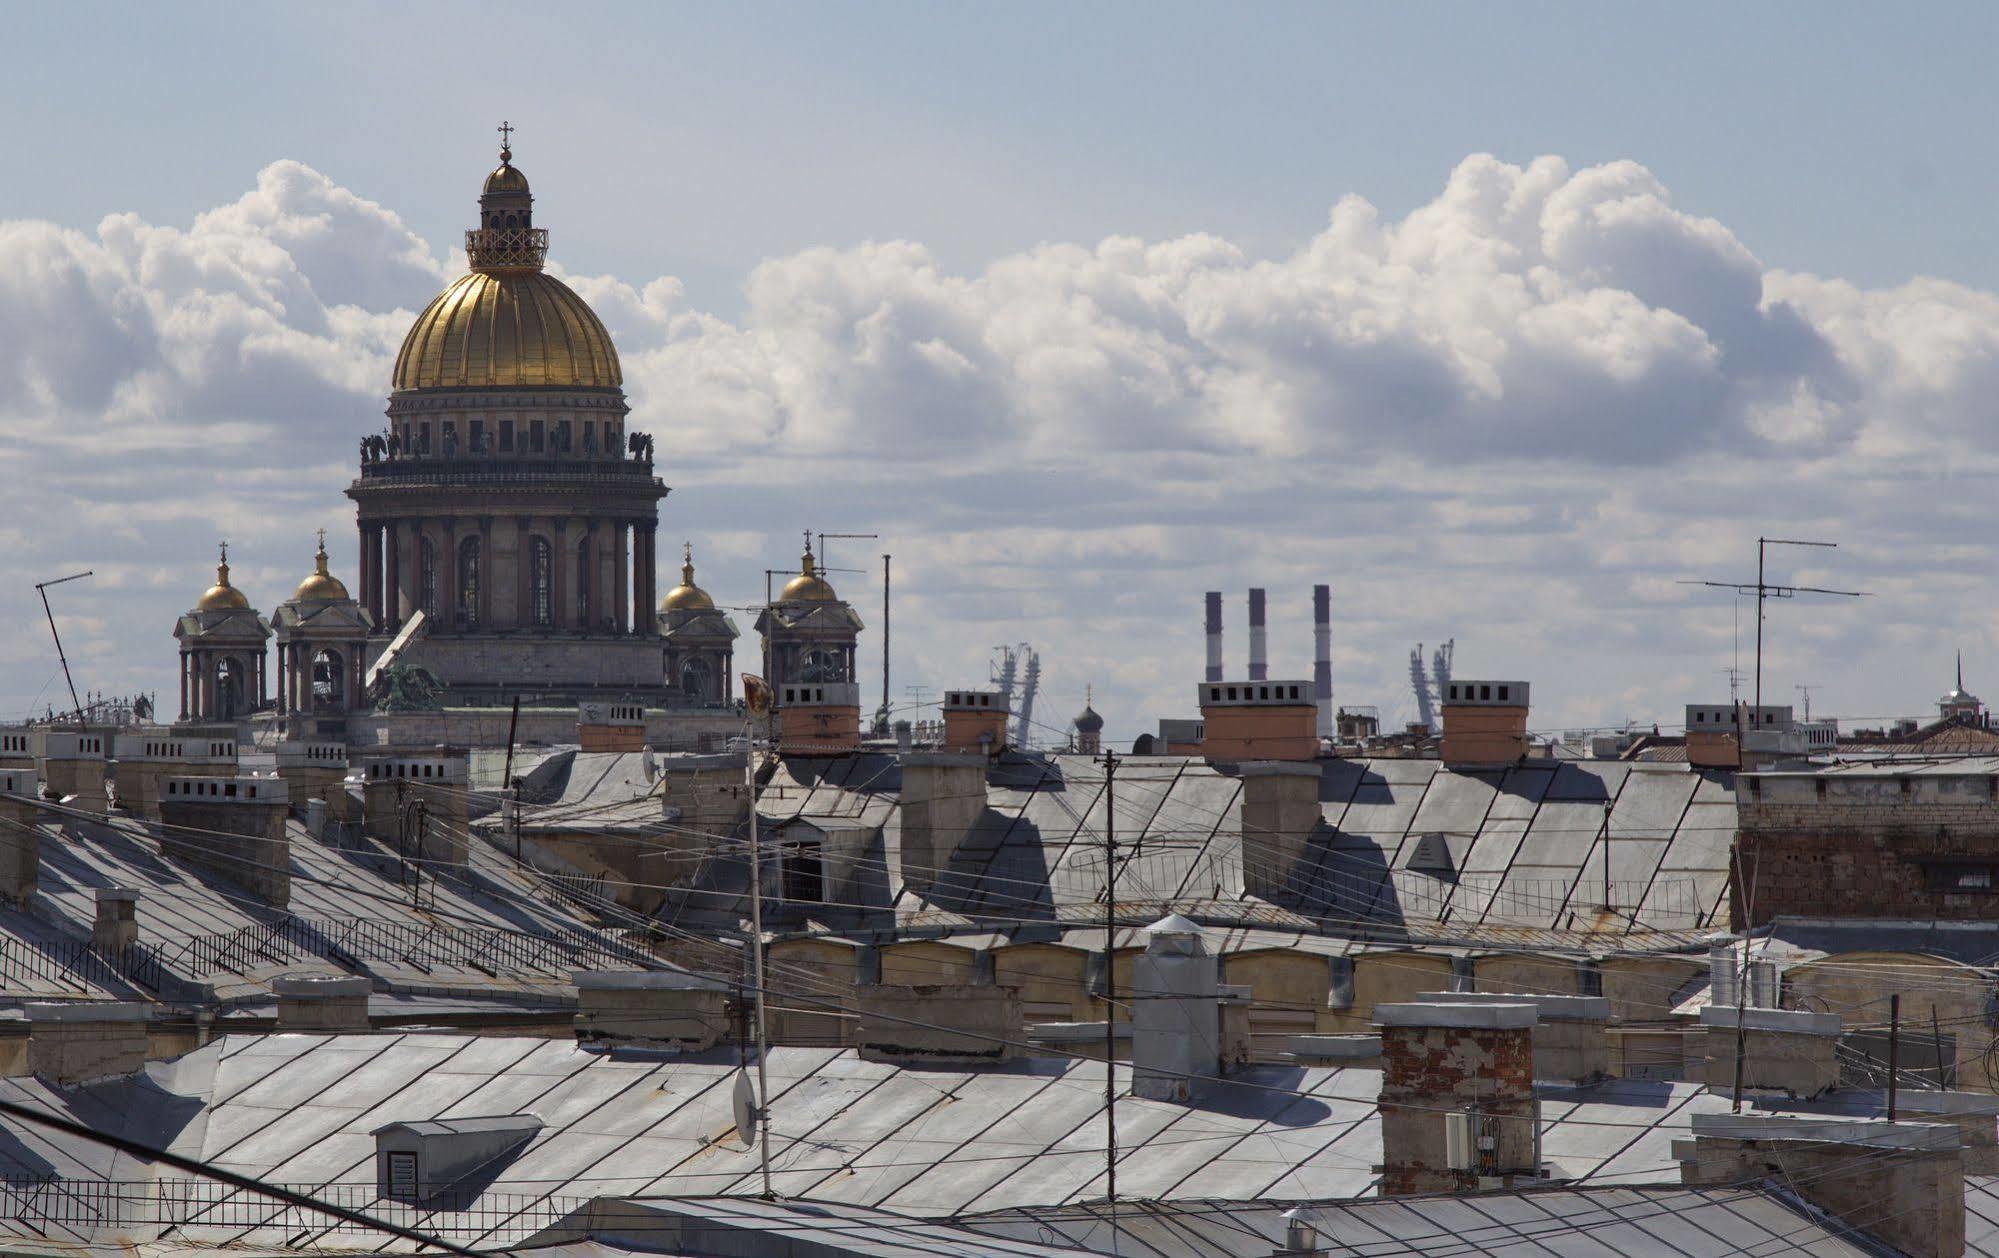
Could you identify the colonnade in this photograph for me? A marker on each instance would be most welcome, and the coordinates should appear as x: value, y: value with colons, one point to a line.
x: 200, y: 690
x: 498, y: 573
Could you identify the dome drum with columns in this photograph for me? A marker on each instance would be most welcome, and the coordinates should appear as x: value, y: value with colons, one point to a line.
x: 221, y: 653
x: 322, y: 638
x: 506, y: 500
x: 700, y: 642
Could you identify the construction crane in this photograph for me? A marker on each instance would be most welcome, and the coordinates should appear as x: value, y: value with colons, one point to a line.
x: 1429, y: 686
x: 1023, y: 728
x: 1007, y: 668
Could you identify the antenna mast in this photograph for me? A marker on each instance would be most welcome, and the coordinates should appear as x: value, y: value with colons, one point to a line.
x: 1763, y: 589
x: 42, y: 588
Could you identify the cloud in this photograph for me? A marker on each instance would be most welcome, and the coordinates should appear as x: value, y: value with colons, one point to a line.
x: 1518, y: 415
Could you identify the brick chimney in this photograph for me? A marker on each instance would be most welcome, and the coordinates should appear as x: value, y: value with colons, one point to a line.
x: 234, y: 826
x: 74, y: 1044
x: 1902, y: 1183
x: 975, y: 720
x: 116, y: 927
x: 73, y: 762
x: 611, y: 726
x: 20, y: 842
x: 1783, y: 1050
x: 1485, y: 723
x: 440, y: 780
x: 149, y: 754
x: 650, y: 1009
x: 1734, y: 736
x: 319, y: 771
x: 942, y: 797
x: 1259, y: 720
x: 821, y: 718
x: 322, y: 1004
x: 1570, y: 1040
x: 1280, y: 816
x: 939, y: 1024
x: 1458, y: 1110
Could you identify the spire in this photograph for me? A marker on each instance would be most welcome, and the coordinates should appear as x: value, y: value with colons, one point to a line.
x: 687, y: 563
x: 222, y: 566
x: 805, y: 561
x: 320, y: 558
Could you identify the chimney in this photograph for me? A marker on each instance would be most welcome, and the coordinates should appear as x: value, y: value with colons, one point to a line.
x: 975, y: 721
x: 1485, y: 724
x: 20, y: 841
x: 1262, y: 720
x: 1739, y: 735
x: 650, y: 1009
x: 329, y: 1005
x: 1175, y: 1012
x: 117, y: 925
x: 1259, y: 640
x: 821, y: 718
x: 943, y: 795
x: 147, y: 755
x: 1322, y: 656
x: 1458, y: 1110
x: 1280, y: 816
x: 319, y: 771
x: 1214, y: 635
x: 940, y: 1024
x: 1570, y: 1044
x: 74, y: 1044
x: 72, y: 763
x: 234, y: 826
x: 1902, y: 1183
x: 1783, y: 1050
x: 428, y: 794
x: 17, y: 743
x: 611, y: 726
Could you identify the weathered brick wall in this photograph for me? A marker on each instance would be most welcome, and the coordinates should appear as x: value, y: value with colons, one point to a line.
x: 1864, y: 852
x: 1428, y: 1071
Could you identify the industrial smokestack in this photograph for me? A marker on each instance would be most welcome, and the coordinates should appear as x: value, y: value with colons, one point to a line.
x: 1214, y: 635
x: 1259, y: 658
x: 1322, y: 656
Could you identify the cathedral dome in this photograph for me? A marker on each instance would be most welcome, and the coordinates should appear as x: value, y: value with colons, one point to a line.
x: 507, y: 329
x: 222, y: 596
x: 687, y: 596
x: 506, y: 178
x: 322, y: 586
x: 808, y: 586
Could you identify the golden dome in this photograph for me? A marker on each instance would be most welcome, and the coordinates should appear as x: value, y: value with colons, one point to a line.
x: 321, y: 586
x: 505, y: 178
x: 222, y: 596
x: 509, y: 329
x: 808, y: 586
x: 687, y: 596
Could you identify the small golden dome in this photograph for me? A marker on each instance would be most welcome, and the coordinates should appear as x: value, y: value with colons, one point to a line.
x: 505, y: 178
x: 321, y: 586
x: 808, y: 586
x: 508, y: 329
x: 222, y: 596
x: 687, y: 596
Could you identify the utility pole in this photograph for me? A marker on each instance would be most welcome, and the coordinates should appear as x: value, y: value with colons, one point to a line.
x: 1110, y: 993
x: 509, y: 791
x: 885, y: 709
x: 42, y: 588
x: 758, y: 980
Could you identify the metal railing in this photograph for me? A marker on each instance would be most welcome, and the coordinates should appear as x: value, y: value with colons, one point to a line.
x: 74, y: 965
x: 506, y: 246
x: 354, y: 943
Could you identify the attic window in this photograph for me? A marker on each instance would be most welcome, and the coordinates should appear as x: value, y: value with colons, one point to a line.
x: 1503, y: 691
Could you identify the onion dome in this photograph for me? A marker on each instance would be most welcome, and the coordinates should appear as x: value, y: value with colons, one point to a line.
x: 808, y: 586
x: 687, y: 596
x: 322, y: 586
x: 222, y: 596
x: 506, y: 324
x: 1087, y: 721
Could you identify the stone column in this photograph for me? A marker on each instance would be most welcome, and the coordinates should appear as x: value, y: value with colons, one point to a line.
x: 184, y: 713
x: 284, y: 678
x: 558, y: 594
x: 367, y: 592
x: 647, y: 579
x: 488, y: 568
x: 586, y: 568
x: 392, y: 612
x: 263, y: 689
x: 450, y: 597
x: 621, y: 566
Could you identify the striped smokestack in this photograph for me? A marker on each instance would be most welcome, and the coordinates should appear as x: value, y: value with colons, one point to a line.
x: 1322, y: 656
x: 1259, y: 645
x: 1214, y: 635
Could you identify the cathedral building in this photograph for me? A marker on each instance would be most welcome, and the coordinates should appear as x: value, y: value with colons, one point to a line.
x: 505, y: 501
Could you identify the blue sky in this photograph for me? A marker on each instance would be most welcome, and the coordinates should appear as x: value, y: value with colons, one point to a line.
x: 1058, y: 298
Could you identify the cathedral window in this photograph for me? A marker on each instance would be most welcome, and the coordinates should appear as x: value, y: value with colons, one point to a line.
x: 696, y: 676
x: 427, y: 578
x: 583, y: 583
x: 329, y: 680
x: 423, y: 439
x: 562, y: 436
x: 506, y: 434
x: 468, y: 583
x: 477, y: 435
x: 541, y: 575
x: 535, y: 436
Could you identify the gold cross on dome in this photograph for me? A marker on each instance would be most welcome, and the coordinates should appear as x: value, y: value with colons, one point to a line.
x: 322, y: 539
x: 506, y: 130
x: 224, y: 544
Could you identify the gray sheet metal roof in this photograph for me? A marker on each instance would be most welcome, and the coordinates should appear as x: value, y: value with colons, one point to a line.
x: 704, y: 1227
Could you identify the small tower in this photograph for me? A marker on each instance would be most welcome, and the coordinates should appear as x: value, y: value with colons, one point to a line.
x: 322, y: 636
x: 1961, y: 705
x: 1089, y: 725
x: 809, y: 634
x: 700, y: 640
x: 221, y: 653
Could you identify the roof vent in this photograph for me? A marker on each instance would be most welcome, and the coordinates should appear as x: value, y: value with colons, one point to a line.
x: 435, y: 1161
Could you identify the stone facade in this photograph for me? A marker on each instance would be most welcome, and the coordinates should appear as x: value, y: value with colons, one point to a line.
x: 322, y: 1005
x: 75, y: 1044
x: 428, y: 792
x: 651, y: 1008
x: 941, y: 1025
x: 1280, y: 817
x: 233, y: 826
x: 149, y: 755
x: 20, y: 841
x: 1869, y: 844
x: 74, y: 763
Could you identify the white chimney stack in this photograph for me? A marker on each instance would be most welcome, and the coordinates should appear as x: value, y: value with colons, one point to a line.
x: 1214, y: 635
x: 1322, y: 656
x: 1259, y: 645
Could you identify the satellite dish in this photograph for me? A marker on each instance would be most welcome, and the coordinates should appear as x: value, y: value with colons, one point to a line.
x: 743, y: 1103
x: 650, y: 765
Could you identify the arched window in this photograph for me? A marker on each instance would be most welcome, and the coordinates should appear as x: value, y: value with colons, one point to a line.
x: 583, y: 583
x: 696, y: 678
x: 426, y: 568
x: 329, y: 680
x: 468, y: 583
x: 228, y: 690
x: 541, y: 578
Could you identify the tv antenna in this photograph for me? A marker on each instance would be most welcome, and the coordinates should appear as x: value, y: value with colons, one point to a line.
x: 1806, y: 690
x: 42, y: 588
x: 1763, y: 589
